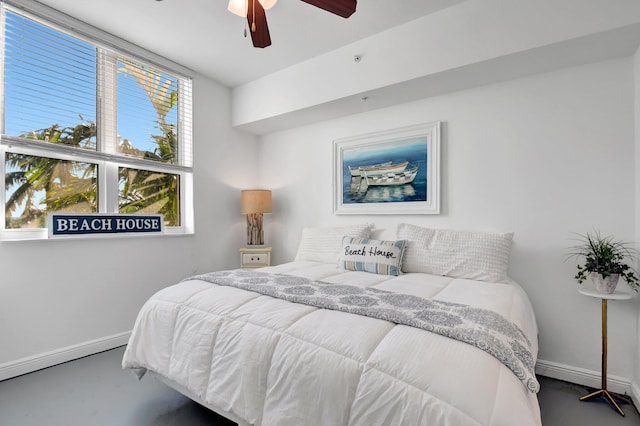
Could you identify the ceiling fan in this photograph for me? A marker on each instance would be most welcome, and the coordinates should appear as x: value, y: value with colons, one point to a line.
x: 254, y: 10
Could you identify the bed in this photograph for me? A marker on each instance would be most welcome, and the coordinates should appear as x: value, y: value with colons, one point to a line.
x: 320, y: 342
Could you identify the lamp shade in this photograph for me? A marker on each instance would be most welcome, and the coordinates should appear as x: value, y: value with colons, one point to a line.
x: 267, y: 4
x: 256, y: 201
x: 238, y: 7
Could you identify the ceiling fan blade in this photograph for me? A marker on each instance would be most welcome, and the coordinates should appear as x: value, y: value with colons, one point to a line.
x: 258, y: 24
x: 344, y: 8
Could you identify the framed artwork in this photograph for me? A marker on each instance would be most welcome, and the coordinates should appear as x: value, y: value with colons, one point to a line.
x: 389, y: 172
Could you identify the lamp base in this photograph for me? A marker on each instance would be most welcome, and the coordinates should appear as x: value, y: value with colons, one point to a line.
x: 255, y: 233
x: 612, y: 398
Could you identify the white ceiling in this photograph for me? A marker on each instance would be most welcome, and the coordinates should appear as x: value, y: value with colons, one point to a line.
x: 203, y: 36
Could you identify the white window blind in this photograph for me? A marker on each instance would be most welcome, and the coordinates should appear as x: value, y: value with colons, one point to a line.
x: 49, y: 82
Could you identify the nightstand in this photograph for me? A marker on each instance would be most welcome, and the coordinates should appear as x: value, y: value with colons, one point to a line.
x: 612, y: 398
x: 255, y: 257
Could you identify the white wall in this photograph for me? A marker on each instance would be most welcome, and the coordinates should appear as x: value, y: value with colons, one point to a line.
x: 636, y: 74
x: 542, y: 156
x: 224, y: 163
x: 63, y: 299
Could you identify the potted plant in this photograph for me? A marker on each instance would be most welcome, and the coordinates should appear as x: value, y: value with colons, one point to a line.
x: 604, y: 262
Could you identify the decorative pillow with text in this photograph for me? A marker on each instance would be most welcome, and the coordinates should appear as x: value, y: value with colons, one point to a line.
x: 375, y: 256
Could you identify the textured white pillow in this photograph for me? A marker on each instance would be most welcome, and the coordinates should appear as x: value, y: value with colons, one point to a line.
x: 375, y: 256
x: 325, y: 244
x: 482, y: 256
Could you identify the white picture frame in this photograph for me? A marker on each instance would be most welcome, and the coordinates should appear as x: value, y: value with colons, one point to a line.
x: 393, y: 171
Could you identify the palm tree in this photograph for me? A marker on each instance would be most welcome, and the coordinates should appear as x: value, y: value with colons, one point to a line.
x: 67, y: 185
x: 142, y: 190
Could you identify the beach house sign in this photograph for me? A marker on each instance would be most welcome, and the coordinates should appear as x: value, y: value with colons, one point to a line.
x: 80, y: 224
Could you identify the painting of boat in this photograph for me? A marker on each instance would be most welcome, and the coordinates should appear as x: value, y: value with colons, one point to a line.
x: 392, y: 178
x: 403, y: 175
x: 376, y: 169
x: 393, y: 171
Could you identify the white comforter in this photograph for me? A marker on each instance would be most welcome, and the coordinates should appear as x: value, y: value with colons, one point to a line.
x: 267, y: 361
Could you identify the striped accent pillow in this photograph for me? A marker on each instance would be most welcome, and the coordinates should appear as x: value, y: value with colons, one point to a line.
x: 375, y: 256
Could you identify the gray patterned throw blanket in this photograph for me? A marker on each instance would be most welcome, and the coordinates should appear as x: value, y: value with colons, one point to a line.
x: 478, y: 327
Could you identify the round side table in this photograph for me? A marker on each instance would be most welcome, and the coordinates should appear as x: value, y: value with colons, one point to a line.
x: 611, y: 397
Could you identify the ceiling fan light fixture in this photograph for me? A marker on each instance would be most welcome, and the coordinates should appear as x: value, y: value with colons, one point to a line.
x: 267, y: 4
x: 257, y: 20
x: 238, y: 7
x: 241, y: 7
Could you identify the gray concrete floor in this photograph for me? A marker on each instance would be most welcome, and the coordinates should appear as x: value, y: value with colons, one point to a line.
x: 95, y: 391
x: 560, y: 406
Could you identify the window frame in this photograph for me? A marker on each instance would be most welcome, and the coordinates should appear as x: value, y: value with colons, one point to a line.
x: 109, y: 48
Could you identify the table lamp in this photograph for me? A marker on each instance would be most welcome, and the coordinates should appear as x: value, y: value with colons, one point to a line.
x: 255, y: 202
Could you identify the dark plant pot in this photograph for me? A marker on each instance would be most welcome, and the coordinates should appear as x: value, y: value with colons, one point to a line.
x: 604, y: 284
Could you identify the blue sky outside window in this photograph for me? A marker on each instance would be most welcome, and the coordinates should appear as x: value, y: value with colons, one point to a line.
x: 50, y: 79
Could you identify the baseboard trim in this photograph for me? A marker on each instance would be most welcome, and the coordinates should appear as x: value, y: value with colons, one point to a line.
x: 635, y: 392
x: 585, y: 377
x: 58, y: 356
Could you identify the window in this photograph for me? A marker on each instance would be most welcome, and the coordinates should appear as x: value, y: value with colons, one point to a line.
x: 88, y: 127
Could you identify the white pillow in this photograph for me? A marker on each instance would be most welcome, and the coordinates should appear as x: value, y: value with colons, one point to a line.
x: 325, y: 244
x: 375, y: 256
x: 482, y: 256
